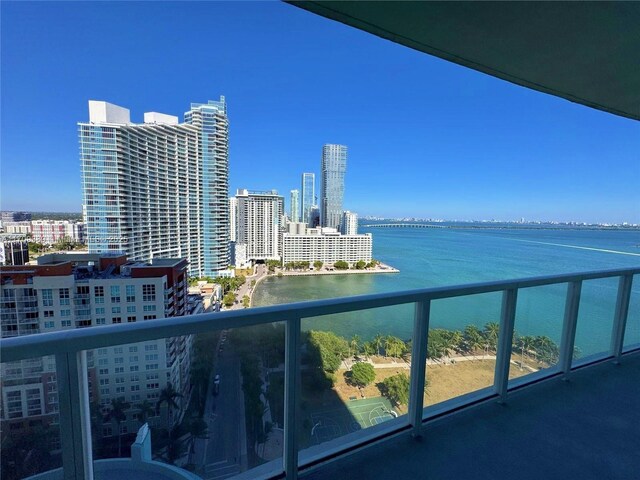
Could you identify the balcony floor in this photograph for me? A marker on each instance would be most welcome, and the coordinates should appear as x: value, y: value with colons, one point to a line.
x: 586, y: 428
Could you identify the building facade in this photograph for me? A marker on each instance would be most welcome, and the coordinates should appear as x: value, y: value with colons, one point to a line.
x: 158, y: 189
x: 67, y: 291
x: 308, y: 196
x: 259, y: 219
x: 51, y: 231
x: 294, y: 213
x: 17, y: 228
x: 333, y: 168
x: 327, y: 248
x: 349, y: 223
x: 10, y: 217
x: 13, y: 250
x: 233, y: 218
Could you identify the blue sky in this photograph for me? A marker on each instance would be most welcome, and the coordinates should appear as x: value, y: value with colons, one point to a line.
x: 426, y: 138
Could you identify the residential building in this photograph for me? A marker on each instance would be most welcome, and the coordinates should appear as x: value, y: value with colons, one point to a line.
x: 333, y: 168
x: 308, y: 195
x: 10, y: 217
x: 349, y: 223
x: 14, y: 250
x: 17, y: 228
x: 158, y: 189
x: 294, y: 214
x: 233, y: 218
x: 52, y: 231
x: 327, y: 246
x: 259, y: 220
x: 68, y: 291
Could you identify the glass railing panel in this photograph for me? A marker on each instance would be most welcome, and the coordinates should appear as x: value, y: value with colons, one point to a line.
x: 212, y: 401
x: 632, y: 332
x: 30, y: 418
x: 355, y: 375
x: 595, y: 319
x: 538, y: 330
x: 461, y: 351
x: 257, y: 355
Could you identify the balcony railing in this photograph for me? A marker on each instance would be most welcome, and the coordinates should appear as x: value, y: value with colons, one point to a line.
x: 69, y: 348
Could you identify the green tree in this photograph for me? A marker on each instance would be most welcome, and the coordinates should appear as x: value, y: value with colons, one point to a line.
x: 317, y: 264
x: 116, y: 413
x: 341, y: 265
x: 229, y: 299
x: 246, y: 301
x: 378, y: 341
x: 394, y: 347
x: 491, y: 331
x: 197, y: 428
x: 360, y: 265
x: 354, y: 345
x: 327, y: 350
x: 396, y: 388
x: 362, y: 374
x: 473, y: 339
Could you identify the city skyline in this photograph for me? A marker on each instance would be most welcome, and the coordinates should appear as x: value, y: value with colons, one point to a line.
x: 431, y: 139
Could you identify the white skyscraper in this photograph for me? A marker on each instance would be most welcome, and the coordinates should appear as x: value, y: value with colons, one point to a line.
x: 349, y: 223
x: 333, y: 168
x: 233, y: 218
x: 294, y: 214
x: 158, y: 189
x: 259, y: 217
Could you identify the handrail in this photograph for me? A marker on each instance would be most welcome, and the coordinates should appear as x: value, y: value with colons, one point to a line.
x: 68, y: 341
x: 70, y: 347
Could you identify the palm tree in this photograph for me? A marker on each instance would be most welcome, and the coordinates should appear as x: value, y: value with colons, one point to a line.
x: 491, y: 331
x: 116, y: 412
x: 524, y: 344
x: 473, y: 338
x: 456, y: 340
x: 377, y: 342
x: 145, y: 410
x: 168, y: 395
x: 354, y: 345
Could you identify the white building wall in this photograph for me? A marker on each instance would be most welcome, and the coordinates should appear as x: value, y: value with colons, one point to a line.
x: 327, y: 248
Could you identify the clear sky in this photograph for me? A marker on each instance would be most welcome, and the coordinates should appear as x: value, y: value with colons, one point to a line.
x: 426, y: 138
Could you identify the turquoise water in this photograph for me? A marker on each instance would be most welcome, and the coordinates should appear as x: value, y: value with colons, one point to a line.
x: 438, y: 257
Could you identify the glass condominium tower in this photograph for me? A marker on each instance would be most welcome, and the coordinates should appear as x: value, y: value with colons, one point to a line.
x: 332, y: 168
x: 157, y: 189
x: 308, y: 196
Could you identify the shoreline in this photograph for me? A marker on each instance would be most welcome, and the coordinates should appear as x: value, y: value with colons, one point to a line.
x: 381, y: 268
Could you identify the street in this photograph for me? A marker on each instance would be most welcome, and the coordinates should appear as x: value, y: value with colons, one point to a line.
x: 223, y: 454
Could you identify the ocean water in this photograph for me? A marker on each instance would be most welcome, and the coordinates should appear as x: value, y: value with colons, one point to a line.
x: 443, y: 256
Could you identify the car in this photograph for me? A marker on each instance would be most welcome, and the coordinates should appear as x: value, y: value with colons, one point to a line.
x: 216, y: 379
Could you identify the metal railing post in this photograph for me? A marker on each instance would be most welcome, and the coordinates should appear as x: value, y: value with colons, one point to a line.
x: 505, y: 341
x: 418, y: 365
x: 291, y: 391
x: 620, y: 317
x: 75, y: 421
x: 567, y: 342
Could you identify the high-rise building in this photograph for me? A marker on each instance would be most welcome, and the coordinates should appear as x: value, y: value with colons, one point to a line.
x: 67, y: 291
x: 52, y: 231
x: 158, y: 189
x: 259, y: 219
x: 332, y: 168
x: 15, y: 217
x: 14, y: 250
x: 349, y: 223
x: 294, y: 214
x: 233, y: 218
x: 308, y: 196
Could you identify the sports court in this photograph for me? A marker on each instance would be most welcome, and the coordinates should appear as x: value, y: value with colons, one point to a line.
x: 354, y: 416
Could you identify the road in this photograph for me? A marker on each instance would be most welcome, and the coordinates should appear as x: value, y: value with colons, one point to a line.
x: 223, y: 454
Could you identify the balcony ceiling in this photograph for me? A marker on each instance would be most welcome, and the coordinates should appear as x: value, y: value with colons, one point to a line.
x: 585, y: 52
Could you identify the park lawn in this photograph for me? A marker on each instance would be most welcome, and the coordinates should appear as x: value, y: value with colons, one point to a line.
x: 444, y: 381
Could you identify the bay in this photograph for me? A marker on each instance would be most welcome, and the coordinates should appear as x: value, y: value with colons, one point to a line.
x: 431, y: 257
